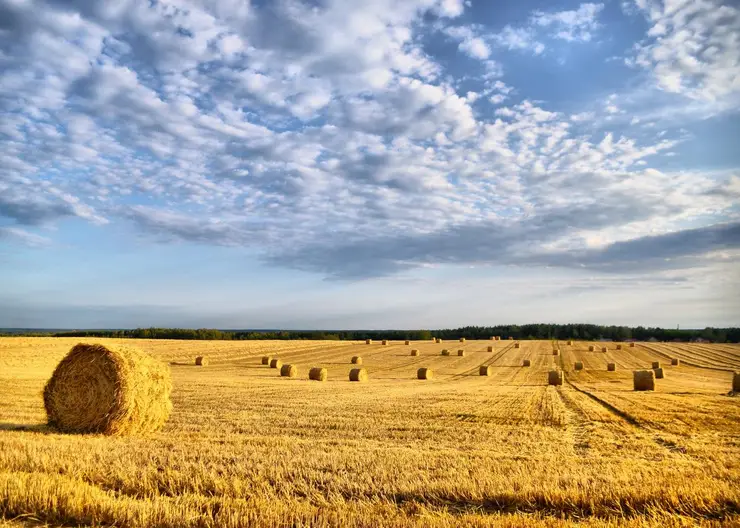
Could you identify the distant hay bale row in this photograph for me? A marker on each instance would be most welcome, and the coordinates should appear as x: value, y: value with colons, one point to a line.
x: 462, y: 339
x: 415, y: 352
x: 570, y: 342
x: 201, y: 361
x: 517, y: 345
x: 289, y: 371
x: 604, y: 349
x: 424, y: 373
x: 591, y: 348
x: 632, y: 345
x: 356, y: 360
x: 445, y: 352
x: 555, y: 377
x: 619, y: 347
x: 318, y: 374
x: 461, y: 352
x: 438, y: 340
x: 526, y: 363
x: 111, y: 390
x: 578, y: 365
x: 510, y: 338
x: 407, y: 342
x: 358, y: 374
x: 611, y: 367
x: 368, y: 341
x: 266, y: 360
x: 276, y: 363
x: 385, y: 341
x: 485, y: 370
x: 490, y: 349
x: 643, y: 380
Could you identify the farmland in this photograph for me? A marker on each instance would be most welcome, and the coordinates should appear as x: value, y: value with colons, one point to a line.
x: 245, y: 447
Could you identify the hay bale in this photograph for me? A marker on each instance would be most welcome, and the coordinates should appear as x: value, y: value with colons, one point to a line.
x: 289, y: 371
x: 461, y: 352
x: 619, y: 347
x: 604, y: 349
x: 358, y: 374
x: 591, y: 348
x: 632, y: 345
x: 385, y: 341
x: 675, y: 362
x: 555, y: 352
x: 611, y: 367
x: 438, y: 340
x: 570, y: 343
x: 266, y: 360
x: 424, y: 373
x: 510, y: 338
x: 578, y: 365
x: 356, y: 360
x: 201, y: 361
x: 736, y: 382
x: 526, y: 363
x: 659, y: 374
x: 415, y: 352
x: 276, y: 363
x: 485, y: 370
x: 368, y: 341
x: 407, y: 342
x: 462, y: 339
x: 555, y: 377
x: 318, y: 374
x: 445, y: 352
x: 111, y: 390
x: 493, y: 338
x: 517, y: 345
x: 490, y: 349
x: 643, y: 380
x: 656, y: 364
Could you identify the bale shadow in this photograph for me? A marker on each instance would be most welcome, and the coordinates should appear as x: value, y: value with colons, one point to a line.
x: 31, y: 428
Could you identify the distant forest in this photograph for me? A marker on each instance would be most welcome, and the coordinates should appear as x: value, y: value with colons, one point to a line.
x: 528, y: 331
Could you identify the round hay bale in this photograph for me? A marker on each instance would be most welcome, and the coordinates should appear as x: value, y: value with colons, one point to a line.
x: 385, y: 341
x: 485, y: 370
x: 656, y: 364
x: 611, y: 367
x: 526, y: 363
x: 266, y: 360
x: 632, y: 345
x: 276, y: 363
x: 445, y: 352
x: 619, y: 347
x: 578, y: 365
x: 555, y: 352
x: 201, y: 361
x: 356, y: 360
x: 604, y: 349
x: 368, y: 341
x: 358, y: 374
x: 570, y: 342
x: 659, y: 374
x: 461, y: 352
x: 424, y: 373
x: 736, y: 382
x: 289, y: 371
x: 462, y: 339
x: 407, y: 342
x: 490, y: 349
x: 318, y: 374
x: 517, y: 345
x: 493, y: 338
x: 415, y: 352
x: 555, y: 377
x: 591, y: 348
x: 675, y: 362
x: 643, y: 380
x: 510, y: 338
x: 438, y: 340
x: 111, y: 390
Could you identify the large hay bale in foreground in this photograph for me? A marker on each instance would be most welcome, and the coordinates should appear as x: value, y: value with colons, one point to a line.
x: 490, y: 349
x: 266, y: 360
x: 356, y: 360
x: 461, y: 352
x: 318, y: 374
x: 611, y: 367
x: 675, y: 362
x: 517, y: 345
x: 276, y: 363
x: 555, y: 377
x: 656, y: 364
x: 578, y: 365
x: 424, y: 373
x: 445, y: 352
x: 289, y: 371
x: 358, y: 374
x: 659, y: 374
x: 201, y: 361
x: 111, y: 390
x: 526, y: 363
x: 485, y: 370
x: 643, y: 380
x: 415, y: 352
x: 736, y: 382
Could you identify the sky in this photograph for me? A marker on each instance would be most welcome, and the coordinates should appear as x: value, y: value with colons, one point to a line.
x: 369, y: 164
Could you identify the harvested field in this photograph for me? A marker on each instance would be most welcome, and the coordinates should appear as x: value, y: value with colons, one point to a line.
x: 245, y: 447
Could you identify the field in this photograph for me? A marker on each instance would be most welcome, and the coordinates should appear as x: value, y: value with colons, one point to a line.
x: 245, y: 447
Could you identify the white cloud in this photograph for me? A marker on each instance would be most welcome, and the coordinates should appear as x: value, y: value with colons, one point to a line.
x: 575, y: 25
x: 476, y: 48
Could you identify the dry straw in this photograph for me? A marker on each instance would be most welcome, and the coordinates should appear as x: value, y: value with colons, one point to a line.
x: 736, y: 382
x: 591, y: 348
x: 526, y: 363
x: 318, y: 374
x: 611, y: 367
x: 490, y: 349
x: 516, y: 345
x: 356, y: 360
x: 113, y: 390
x: 415, y: 352
x: 358, y: 374
x: 578, y: 365
x: 461, y: 352
x: 656, y: 364
x: 445, y: 352
x: 555, y: 377
x: 485, y: 370
x: 266, y: 360
x: 424, y: 373
x: 276, y: 363
x: 201, y: 361
x: 675, y: 361
x: 659, y: 373
x: 643, y: 380
x: 289, y: 371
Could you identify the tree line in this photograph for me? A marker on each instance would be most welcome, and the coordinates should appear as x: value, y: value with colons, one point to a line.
x: 527, y: 331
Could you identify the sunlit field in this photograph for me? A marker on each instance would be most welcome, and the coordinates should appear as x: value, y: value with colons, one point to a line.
x: 246, y: 447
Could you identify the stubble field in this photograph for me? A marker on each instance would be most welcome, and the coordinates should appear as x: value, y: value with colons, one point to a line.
x: 245, y: 447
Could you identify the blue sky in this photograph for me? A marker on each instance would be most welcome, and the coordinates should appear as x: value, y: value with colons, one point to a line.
x: 369, y: 164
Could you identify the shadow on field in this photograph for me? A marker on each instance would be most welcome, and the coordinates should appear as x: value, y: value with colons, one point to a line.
x: 35, y: 428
